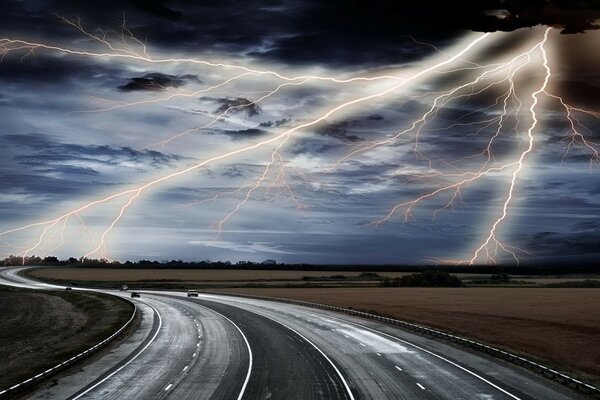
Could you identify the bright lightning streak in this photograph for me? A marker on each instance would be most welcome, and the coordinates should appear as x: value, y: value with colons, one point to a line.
x: 490, y: 77
x: 532, y: 109
x: 135, y: 192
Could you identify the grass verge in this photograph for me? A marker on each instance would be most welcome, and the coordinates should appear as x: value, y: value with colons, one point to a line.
x: 40, y: 329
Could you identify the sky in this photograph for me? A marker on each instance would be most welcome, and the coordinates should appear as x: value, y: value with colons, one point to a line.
x: 282, y: 130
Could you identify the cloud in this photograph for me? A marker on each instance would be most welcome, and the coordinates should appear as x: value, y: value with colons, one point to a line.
x: 234, y: 105
x: 274, y: 124
x: 242, y: 133
x: 248, y: 247
x: 156, y: 8
x: 46, y: 155
x: 156, y: 81
x: 338, y: 130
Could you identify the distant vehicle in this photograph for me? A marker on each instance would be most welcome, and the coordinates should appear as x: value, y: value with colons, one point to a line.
x: 192, y: 293
x: 135, y: 294
x: 123, y: 287
x: 68, y: 288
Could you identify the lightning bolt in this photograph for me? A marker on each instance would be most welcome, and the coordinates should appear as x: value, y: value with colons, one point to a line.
x: 137, y: 191
x: 126, y: 47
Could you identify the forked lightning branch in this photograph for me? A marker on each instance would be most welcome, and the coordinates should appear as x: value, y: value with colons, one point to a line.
x: 522, y: 82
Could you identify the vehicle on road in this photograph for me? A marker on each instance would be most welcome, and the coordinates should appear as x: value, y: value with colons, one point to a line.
x: 135, y: 294
x: 68, y: 288
x: 123, y: 287
x: 192, y: 293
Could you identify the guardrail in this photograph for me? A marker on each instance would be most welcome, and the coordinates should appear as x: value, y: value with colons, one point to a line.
x: 59, y: 367
x: 510, y: 357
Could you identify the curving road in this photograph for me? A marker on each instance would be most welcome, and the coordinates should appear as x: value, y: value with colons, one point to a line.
x: 221, y: 347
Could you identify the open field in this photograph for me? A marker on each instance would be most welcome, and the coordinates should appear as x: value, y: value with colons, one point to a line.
x: 186, y: 275
x: 560, y: 327
x: 215, y: 278
x: 41, y: 329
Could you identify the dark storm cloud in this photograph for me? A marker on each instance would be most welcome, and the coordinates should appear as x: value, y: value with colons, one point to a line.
x: 233, y: 172
x: 156, y: 81
x: 157, y: 8
x: 340, y: 131
x: 335, y: 32
x: 45, y: 154
x: 43, y: 184
x: 242, y: 133
x: 274, y: 124
x: 54, y: 71
x: 234, y: 105
x: 312, y: 146
x: 555, y: 244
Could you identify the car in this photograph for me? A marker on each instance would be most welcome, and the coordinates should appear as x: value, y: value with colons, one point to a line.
x: 123, y: 287
x: 135, y: 294
x: 192, y: 293
x: 68, y: 288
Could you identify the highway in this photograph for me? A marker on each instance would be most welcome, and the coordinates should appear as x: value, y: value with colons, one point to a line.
x: 223, y: 347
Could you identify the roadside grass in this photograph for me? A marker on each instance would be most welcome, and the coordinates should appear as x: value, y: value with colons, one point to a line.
x: 40, y: 329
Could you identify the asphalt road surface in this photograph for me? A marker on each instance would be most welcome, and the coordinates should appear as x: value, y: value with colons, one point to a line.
x: 222, y: 347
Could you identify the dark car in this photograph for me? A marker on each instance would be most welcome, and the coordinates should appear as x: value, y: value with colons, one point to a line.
x: 192, y: 293
x: 68, y: 288
x: 135, y: 294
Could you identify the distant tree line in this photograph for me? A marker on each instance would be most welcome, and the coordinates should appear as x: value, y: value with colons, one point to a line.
x: 274, y: 265
x: 424, y: 279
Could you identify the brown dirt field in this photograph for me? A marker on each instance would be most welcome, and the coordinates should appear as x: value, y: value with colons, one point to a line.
x: 41, y: 329
x: 207, y: 275
x: 219, y: 275
x: 560, y: 327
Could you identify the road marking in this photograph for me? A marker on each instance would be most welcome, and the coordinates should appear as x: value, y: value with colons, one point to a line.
x: 362, y: 344
x: 185, y: 368
x: 130, y: 360
x: 170, y: 385
x: 421, y: 386
x: 433, y: 354
x: 351, y: 396
x: 250, y: 360
x: 400, y: 369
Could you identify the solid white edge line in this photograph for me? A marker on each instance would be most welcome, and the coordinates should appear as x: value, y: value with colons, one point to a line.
x: 130, y: 360
x: 247, y: 345
x: 405, y: 342
x: 320, y: 351
x: 433, y: 354
x: 24, y: 284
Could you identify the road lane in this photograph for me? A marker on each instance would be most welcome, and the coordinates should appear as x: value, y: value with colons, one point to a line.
x: 303, y: 353
x: 285, y: 365
x: 222, y: 363
x: 446, y: 371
